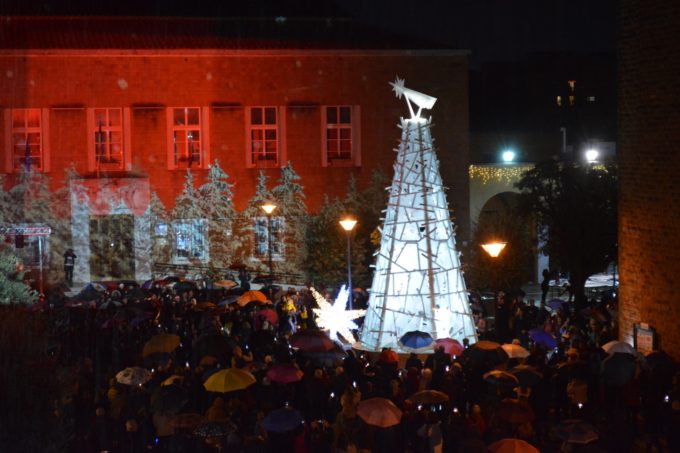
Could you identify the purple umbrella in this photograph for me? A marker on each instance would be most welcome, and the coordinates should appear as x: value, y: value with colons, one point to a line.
x: 556, y: 304
x: 542, y: 337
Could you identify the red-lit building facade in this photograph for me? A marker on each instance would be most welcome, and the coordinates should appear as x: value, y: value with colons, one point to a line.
x: 131, y: 111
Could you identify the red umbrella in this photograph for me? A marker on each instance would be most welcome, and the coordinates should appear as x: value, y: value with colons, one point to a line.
x: 270, y: 315
x: 512, y: 446
x: 388, y: 356
x: 451, y: 346
x: 284, y: 373
x: 311, y: 341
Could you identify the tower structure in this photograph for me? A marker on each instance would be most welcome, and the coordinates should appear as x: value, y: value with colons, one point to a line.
x: 418, y: 283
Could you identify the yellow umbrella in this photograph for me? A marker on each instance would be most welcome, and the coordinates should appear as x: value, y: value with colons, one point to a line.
x: 162, y: 343
x: 226, y: 283
x: 250, y: 296
x: 229, y: 380
x: 172, y: 379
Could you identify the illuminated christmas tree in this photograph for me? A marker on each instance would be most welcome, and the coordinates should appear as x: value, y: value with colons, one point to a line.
x: 418, y: 283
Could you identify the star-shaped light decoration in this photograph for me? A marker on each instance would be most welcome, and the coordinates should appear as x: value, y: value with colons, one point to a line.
x: 334, y: 318
x: 398, y: 87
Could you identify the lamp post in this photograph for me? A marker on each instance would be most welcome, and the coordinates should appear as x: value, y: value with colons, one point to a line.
x: 269, y: 208
x: 348, y: 225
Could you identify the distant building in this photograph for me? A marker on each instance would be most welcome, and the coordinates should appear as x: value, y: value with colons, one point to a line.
x: 131, y: 104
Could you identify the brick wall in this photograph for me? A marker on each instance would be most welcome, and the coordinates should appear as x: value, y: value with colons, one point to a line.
x: 649, y: 147
x: 148, y: 81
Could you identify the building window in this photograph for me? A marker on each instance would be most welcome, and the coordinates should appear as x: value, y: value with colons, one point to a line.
x: 262, y: 237
x: 186, y: 137
x: 340, y: 129
x: 559, y: 101
x: 572, y: 85
x: 26, y: 135
x: 263, y: 136
x: 108, y: 138
x: 591, y: 98
x: 572, y: 100
x: 191, y: 240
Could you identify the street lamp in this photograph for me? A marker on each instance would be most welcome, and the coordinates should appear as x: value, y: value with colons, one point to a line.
x: 494, y: 248
x: 592, y: 155
x: 269, y: 208
x: 508, y: 156
x: 348, y: 225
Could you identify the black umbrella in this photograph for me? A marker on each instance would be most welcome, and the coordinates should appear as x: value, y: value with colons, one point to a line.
x: 618, y: 369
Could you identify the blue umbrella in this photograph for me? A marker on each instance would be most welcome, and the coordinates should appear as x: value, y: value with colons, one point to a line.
x: 147, y: 284
x: 540, y: 336
x: 416, y: 339
x: 282, y: 420
x: 556, y: 304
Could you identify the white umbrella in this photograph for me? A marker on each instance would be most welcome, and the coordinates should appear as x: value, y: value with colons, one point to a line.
x: 618, y: 346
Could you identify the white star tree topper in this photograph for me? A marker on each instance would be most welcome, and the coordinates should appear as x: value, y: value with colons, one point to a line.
x: 334, y: 318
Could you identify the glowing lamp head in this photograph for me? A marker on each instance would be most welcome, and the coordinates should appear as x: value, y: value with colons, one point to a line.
x: 508, y: 156
x: 592, y: 155
x: 268, y: 208
x: 494, y: 248
x: 348, y: 224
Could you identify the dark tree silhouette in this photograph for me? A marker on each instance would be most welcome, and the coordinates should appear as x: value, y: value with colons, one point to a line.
x: 575, y: 207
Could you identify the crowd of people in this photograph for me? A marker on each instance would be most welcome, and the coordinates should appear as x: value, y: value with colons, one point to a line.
x: 535, y: 371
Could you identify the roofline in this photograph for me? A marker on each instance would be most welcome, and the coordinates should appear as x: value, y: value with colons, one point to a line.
x: 263, y: 53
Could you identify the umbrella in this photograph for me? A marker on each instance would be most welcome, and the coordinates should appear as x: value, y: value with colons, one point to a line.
x: 379, y: 412
x: 148, y: 284
x: 542, y: 337
x: 229, y: 380
x: 576, y: 432
x: 388, y: 356
x: 284, y: 373
x: 250, y: 296
x: 515, y: 351
x: 498, y: 377
x: 188, y: 420
x: 429, y: 397
x: 268, y: 314
x: 451, y: 346
x: 527, y: 375
x: 204, y: 305
x: 225, y: 283
x: 228, y: 301
x: 282, y: 420
x: 512, y: 446
x: 311, y: 341
x: 175, y: 378
x: 133, y: 376
x: 662, y: 368
x: 325, y: 358
x: 618, y: 346
x: 415, y: 339
x: 515, y: 411
x: 556, y: 304
x: 159, y: 344
x: 618, y: 369
x: 214, y: 429
x: 488, y: 352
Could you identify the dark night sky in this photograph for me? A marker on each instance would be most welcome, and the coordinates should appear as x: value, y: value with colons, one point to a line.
x: 494, y: 30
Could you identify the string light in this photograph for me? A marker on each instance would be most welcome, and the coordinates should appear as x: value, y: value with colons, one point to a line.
x: 497, y: 174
